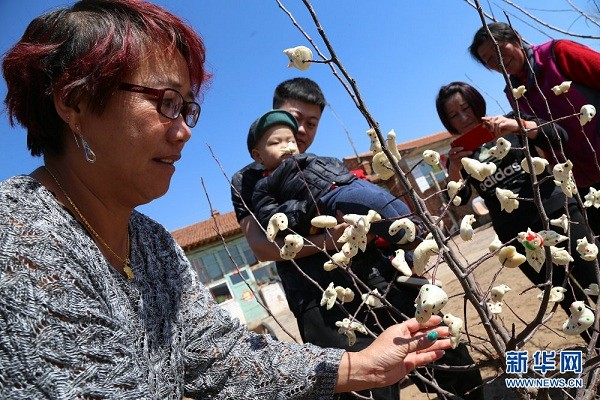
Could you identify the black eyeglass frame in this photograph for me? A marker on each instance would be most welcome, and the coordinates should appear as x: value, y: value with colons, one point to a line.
x: 159, y: 94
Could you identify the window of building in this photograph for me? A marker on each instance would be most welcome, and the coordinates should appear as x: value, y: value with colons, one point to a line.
x: 242, y: 276
x: 200, y: 271
x: 212, y: 266
x: 265, y: 273
x: 247, y: 253
x: 221, y: 293
x: 213, y: 263
x: 425, y: 174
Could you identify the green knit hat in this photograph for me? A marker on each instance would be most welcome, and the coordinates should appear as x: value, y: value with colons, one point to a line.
x: 267, y: 120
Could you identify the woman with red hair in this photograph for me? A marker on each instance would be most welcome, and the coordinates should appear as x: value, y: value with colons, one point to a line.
x: 96, y: 299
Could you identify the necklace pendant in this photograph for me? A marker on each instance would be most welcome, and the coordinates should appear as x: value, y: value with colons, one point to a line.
x: 127, y: 269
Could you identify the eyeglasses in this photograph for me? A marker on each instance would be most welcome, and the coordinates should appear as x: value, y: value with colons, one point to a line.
x: 169, y: 103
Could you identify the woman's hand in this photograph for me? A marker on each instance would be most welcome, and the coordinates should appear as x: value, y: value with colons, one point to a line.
x: 500, y: 125
x: 397, y: 351
x: 455, y: 155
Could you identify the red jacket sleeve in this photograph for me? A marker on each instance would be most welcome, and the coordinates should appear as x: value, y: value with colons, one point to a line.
x: 578, y: 62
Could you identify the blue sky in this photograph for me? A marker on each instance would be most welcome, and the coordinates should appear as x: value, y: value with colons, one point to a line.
x: 399, y: 52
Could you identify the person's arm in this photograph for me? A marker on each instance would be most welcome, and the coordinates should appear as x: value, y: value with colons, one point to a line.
x: 243, y: 183
x: 501, y: 125
x: 454, y: 165
x: 397, y: 351
x: 224, y: 360
x: 267, y: 251
x: 578, y: 62
x: 546, y: 136
x: 222, y: 356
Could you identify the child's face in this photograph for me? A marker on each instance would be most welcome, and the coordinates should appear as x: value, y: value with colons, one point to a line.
x: 277, y: 143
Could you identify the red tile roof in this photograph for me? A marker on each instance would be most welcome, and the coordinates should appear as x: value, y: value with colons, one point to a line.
x: 424, y: 141
x: 208, y: 231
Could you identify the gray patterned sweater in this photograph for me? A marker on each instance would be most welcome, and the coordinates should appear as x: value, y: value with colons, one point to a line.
x: 71, y: 327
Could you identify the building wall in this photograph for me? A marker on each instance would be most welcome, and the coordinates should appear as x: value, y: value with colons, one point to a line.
x: 214, y: 261
x: 237, y: 281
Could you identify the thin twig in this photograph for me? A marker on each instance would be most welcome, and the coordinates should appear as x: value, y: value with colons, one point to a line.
x: 549, y: 26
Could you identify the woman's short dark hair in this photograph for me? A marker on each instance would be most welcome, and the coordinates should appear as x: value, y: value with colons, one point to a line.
x: 501, y: 32
x: 302, y: 89
x: 86, y: 50
x: 471, y: 95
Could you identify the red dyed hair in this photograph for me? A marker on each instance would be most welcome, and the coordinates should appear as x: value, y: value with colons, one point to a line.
x: 87, y: 50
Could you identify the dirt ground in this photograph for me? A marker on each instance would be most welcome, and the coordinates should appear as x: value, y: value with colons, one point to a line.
x: 520, y: 305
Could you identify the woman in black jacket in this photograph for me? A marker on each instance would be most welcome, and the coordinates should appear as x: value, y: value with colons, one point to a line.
x: 461, y: 108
